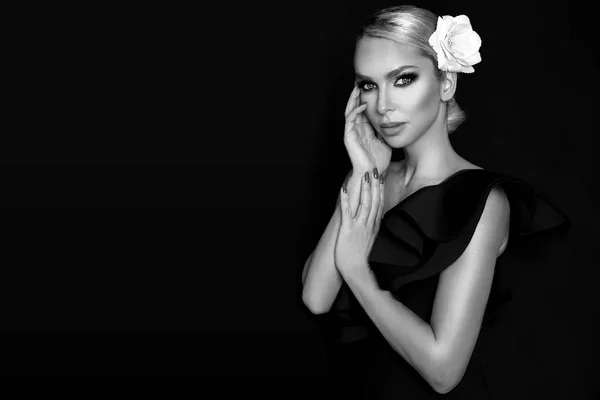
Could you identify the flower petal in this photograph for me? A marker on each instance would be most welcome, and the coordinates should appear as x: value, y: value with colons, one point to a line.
x: 434, y: 40
x: 444, y: 25
x: 474, y: 59
x: 462, y: 20
x: 467, y: 43
x: 456, y: 44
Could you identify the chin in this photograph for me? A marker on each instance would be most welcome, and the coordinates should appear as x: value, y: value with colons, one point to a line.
x: 395, y: 142
x: 401, y: 140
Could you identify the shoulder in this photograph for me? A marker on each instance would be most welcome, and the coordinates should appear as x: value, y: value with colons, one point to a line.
x: 494, y: 224
x: 498, y: 195
x: 497, y: 204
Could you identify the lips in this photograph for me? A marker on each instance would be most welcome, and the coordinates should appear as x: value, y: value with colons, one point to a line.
x: 390, y: 124
x: 391, y: 128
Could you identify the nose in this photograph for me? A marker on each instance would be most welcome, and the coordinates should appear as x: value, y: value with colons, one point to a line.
x: 383, y: 105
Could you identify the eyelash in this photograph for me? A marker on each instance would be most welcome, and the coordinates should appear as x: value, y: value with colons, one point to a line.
x: 410, y: 76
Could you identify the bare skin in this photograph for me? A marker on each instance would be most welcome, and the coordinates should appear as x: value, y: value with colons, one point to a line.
x: 395, y: 192
x: 394, y: 84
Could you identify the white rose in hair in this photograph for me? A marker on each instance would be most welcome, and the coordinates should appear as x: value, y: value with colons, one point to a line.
x: 456, y: 44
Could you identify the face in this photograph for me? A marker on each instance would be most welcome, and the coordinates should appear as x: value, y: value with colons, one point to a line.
x: 411, y: 94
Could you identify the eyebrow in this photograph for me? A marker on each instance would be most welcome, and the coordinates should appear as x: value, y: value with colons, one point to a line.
x: 388, y: 75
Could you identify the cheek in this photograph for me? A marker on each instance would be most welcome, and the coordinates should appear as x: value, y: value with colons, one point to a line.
x: 422, y: 102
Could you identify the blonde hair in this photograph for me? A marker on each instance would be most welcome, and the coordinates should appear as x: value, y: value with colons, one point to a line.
x: 412, y: 26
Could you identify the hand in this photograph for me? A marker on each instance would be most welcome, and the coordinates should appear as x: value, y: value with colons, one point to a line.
x: 366, y: 149
x: 357, y: 233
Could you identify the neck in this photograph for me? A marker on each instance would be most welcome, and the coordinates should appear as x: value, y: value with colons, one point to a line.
x: 431, y: 155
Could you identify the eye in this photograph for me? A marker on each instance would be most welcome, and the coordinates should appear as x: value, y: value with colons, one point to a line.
x: 362, y: 85
x: 406, y: 79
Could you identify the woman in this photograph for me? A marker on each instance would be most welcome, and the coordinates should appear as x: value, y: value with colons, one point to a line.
x: 408, y: 264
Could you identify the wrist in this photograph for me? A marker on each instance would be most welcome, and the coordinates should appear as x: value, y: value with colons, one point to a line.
x: 361, y: 171
x: 359, y: 275
x: 359, y: 174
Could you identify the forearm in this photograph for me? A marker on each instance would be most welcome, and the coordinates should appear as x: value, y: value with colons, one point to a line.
x: 320, y: 278
x: 411, y: 337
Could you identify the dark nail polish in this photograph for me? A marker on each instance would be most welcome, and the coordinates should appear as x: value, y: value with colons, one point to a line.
x: 367, y: 177
x: 381, y: 179
x: 375, y: 174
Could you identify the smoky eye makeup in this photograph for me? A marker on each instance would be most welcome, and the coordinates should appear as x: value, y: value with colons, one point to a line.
x: 400, y: 81
x: 409, y: 76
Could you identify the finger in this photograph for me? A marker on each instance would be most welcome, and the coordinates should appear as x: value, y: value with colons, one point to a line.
x: 366, y: 124
x: 382, y: 198
x: 363, y: 131
x: 375, y: 196
x: 362, y: 118
x: 365, y: 200
x: 352, y: 116
x: 351, y: 101
x: 357, y: 199
x: 345, y: 205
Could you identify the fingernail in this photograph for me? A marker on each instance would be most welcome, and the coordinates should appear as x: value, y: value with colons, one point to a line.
x: 367, y: 177
x: 375, y: 174
x: 381, y: 179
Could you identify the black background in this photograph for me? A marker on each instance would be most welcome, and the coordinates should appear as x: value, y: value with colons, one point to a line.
x: 170, y: 169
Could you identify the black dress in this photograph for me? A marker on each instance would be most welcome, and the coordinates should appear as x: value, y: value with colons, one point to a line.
x: 418, y: 239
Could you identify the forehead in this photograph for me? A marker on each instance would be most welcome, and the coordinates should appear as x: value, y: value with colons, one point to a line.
x: 376, y: 56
